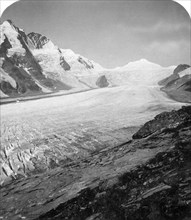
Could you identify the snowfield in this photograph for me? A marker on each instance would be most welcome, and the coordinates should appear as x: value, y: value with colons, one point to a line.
x: 35, y: 133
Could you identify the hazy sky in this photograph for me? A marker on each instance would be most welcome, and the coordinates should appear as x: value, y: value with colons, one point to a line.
x: 111, y: 33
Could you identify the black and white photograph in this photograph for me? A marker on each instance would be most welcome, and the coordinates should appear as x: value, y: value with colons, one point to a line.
x: 95, y: 106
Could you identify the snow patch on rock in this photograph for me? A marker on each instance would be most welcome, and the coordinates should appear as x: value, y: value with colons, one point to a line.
x: 185, y: 72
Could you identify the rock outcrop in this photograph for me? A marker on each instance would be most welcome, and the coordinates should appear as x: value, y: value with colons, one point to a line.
x: 178, y: 85
x: 144, y: 179
x: 38, y: 40
x: 102, y: 82
x: 165, y: 120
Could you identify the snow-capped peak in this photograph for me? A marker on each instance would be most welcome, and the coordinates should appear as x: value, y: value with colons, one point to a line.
x: 138, y: 65
x: 9, y: 31
x: 142, y: 63
x: 144, y: 60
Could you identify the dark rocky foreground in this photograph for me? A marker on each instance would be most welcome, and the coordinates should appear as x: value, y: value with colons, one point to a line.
x: 148, y: 178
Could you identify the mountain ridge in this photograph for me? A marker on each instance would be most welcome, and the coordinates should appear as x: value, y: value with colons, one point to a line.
x: 33, y: 59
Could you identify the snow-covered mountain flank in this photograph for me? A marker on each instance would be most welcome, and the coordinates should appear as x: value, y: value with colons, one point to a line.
x: 32, y: 64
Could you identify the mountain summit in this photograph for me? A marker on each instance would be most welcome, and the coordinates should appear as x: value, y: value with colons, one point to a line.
x: 139, y: 64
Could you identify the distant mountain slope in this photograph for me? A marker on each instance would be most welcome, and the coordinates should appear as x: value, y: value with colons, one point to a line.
x: 178, y: 85
x: 139, y: 64
x: 32, y: 64
x: 145, y: 74
x: 37, y: 66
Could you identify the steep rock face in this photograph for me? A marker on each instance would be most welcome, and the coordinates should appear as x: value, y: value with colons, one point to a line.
x: 14, y: 52
x: 4, y: 77
x: 19, y: 63
x: 170, y: 120
x: 23, y: 80
x: 102, y: 82
x: 63, y: 62
x: 5, y: 45
x: 145, y: 179
x: 38, y: 40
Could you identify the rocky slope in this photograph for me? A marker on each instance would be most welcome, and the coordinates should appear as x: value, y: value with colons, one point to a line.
x: 165, y: 120
x: 178, y: 85
x: 147, y: 178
